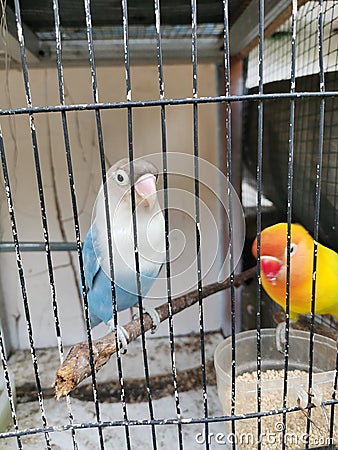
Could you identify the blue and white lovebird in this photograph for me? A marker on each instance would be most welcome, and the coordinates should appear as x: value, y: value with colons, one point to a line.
x: 150, y: 240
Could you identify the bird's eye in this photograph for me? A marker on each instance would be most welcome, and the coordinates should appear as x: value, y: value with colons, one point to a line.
x: 293, y: 248
x: 121, y: 177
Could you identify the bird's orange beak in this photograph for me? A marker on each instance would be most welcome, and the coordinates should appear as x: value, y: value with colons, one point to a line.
x: 146, y: 188
x: 271, y: 267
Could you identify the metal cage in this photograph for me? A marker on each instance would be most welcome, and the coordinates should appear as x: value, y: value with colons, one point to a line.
x: 266, y: 116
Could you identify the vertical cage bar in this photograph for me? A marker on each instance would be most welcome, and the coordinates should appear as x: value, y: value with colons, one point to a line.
x: 166, y: 217
x: 319, y: 166
x: 194, y: 54
x: 89, y: 30
x: 227, y: 72
x: 259, y: 211
x: 58, y: 44
x: 133, y: 207
x: 23, y: 288
x: 43, y: 219
x: 3, y: 352
x: 289, y: 211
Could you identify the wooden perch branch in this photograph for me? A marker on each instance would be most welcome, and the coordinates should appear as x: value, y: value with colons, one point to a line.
x: 76, y: 366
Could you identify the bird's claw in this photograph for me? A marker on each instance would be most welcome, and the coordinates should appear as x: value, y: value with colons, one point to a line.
x: 316, y: 400
x: 155, y: 318
x: 122, y: 335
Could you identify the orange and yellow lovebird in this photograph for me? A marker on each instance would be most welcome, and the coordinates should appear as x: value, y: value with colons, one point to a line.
x: 273, y: 270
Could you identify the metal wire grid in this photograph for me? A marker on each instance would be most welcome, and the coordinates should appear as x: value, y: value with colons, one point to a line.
x: 305, y: 158
x: 137, y: 32
x: 307, y: 120
x: 278, y: 47
x: 276, y: 137
x: 260, y: 98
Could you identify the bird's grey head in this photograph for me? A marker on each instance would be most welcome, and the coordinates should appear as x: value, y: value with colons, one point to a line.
x: 145, y: 178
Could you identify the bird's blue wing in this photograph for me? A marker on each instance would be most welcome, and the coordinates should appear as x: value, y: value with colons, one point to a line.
x: 90, y: 263
x: 98, y: 284
x: 92, y: 270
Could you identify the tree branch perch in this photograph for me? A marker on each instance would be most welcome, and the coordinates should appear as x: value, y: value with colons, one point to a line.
x: 76, y: 366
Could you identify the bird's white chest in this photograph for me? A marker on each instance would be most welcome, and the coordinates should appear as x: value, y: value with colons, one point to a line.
x: 150, y: 244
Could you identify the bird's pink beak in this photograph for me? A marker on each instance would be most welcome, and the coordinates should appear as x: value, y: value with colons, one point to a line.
x: 271, y: 267
x: 146, y: 188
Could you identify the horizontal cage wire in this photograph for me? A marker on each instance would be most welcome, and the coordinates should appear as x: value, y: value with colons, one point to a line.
x: 155, y: 154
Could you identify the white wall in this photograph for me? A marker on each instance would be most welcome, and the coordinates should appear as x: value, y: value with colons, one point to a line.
x: 85, y: 154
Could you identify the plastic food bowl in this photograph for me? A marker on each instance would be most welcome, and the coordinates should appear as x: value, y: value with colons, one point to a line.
x: 324, y: 363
